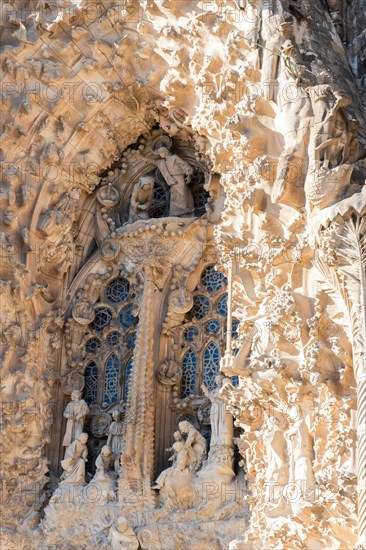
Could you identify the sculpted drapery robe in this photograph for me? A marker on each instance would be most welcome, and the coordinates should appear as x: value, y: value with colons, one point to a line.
x: 74, y: 463
x: 221, y: 420
x: 196, y: 446
x: 174, y: 169
x: 75, y: 413
x: 114, y: 440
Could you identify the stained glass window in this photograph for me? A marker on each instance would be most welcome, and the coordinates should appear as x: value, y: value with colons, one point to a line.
x: 103, y: 316
x: 117, y: 291
x: 131, y: 340
x: 213, y: 326
x: 222, y: 305
x: 201, y: 306
x: 234, y: 328
x: 189, y: 373
x: 190, y: 334
x: 235, y: 381
x: 113, y: 338
x: 91, y: 383
x: 200, y: 195
x: 213, y: 280
x: 111, y: 379
x: 159, y: 194
x: 92, y: 345
x: 211, y: 363
x: 160, y: 199
x: 126, y: 319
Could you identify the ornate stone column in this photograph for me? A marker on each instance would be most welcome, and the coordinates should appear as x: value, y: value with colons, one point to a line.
x: 344, y: 266
x: 151, y: 257
x: 138, y: 437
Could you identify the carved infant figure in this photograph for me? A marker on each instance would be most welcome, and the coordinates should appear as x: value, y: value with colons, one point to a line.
x: 122, y: 537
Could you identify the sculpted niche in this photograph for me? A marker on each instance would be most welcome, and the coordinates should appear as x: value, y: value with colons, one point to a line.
x: 161, y: 177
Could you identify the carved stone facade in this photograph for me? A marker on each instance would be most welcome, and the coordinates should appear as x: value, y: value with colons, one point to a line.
x: 183, y: 257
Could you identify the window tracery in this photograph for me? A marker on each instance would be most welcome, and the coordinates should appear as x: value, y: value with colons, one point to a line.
x: 111, y: 376
x: 108, y: 346
x: 91, y: 382
x: 203, y: 333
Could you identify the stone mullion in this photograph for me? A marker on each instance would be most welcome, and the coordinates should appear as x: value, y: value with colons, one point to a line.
x: 138, y: 438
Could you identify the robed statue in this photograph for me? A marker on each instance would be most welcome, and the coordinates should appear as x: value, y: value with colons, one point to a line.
x: 222, y: 428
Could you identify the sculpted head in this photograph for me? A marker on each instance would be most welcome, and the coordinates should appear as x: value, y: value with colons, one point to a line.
x: 178, y: 436
x: 83, y: 438
x: 75, y: 395
x: 106, y: 450
x: 185, y: 426
x: 163, y: 152
x: 116, y: 415
x: 219, y: 378
x: 122, y: 524
x: 147, y: 183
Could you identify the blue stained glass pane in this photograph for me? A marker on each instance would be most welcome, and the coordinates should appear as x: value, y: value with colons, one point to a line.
x: 190, y: 334
x: 91, y: 383
x: 211, y: 363
x: 159, y: 194
x: 117, y: 291
x: 126, y: 319
x: 113, y: 338
x: 92, y: 345
x: 213, y: 280
x: 111, y: 378
x: 213, y: 326
x: 127, y: 374
x: 189, y: 374
x: 234, y: 328
x: 103, y: 316
x: 222, y: 305
x: 131, y: 340
x: 201, y: 306
x: 235, y: 381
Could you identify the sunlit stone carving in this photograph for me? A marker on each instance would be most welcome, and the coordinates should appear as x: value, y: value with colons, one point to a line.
x: 143, y: 144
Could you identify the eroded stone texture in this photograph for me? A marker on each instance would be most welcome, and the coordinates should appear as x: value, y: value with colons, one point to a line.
x: 143, y: 144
